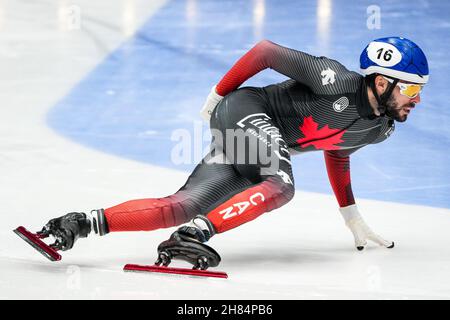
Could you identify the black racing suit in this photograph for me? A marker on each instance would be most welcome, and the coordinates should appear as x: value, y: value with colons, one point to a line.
x: 322, y: 107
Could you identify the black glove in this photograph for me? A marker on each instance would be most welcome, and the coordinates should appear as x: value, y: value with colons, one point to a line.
x: 67, y: 229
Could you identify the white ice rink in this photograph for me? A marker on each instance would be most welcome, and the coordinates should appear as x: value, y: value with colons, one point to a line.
x: 44, y: 175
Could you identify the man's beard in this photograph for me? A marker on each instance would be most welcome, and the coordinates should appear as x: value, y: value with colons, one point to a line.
x: 392, y: 110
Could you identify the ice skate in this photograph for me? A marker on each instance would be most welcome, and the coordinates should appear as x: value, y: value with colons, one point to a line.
x: 187, y: 244
x: 183, y: 244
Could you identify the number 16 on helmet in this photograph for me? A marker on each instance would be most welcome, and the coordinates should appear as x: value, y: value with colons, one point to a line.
x: 397, y: 58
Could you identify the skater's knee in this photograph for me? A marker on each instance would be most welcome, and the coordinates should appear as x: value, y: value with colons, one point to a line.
x: 289, y: 192
x: 286, y: 189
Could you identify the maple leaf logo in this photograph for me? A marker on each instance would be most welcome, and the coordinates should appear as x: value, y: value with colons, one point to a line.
x: 321, y: 139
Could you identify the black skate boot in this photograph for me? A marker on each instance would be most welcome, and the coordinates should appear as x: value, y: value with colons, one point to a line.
x: 187, y: 243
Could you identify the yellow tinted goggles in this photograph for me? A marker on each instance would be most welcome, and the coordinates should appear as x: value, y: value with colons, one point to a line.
x: 410, y: 90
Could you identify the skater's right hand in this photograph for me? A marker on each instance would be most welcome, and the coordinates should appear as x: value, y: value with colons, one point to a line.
x: 67, y: 229
x: 211, y: 102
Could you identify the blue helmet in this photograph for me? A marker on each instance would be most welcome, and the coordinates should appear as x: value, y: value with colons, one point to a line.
x: 395, y: 57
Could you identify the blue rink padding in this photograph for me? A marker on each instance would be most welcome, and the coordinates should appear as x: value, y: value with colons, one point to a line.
x: 156, y: 82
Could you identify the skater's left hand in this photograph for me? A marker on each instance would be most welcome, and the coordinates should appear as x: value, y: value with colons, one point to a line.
x: 361, y: 231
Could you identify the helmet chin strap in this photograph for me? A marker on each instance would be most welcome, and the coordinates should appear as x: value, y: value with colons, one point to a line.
x: 383, y: 99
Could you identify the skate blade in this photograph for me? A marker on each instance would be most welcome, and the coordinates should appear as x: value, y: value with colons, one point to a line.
x: 180, y: 271
x: 34, y: 241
